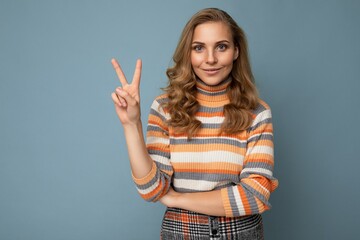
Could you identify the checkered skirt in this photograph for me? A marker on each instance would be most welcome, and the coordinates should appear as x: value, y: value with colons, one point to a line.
x: 179, y: 224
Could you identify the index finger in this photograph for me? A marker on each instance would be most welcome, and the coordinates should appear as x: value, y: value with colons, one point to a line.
x: 119, y: 72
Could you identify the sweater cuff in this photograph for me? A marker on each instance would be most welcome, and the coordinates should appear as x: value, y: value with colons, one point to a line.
x: 147, y: 178
x: 226, y: 202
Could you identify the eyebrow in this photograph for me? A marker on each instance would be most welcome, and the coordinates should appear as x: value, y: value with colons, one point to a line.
x: 222, y: 41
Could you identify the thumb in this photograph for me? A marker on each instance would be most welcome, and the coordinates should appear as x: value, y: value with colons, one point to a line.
x: 125, y: 95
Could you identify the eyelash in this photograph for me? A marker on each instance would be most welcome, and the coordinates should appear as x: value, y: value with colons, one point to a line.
x: 221, y: 47
x: 224, y: 47
x: 196, y: 48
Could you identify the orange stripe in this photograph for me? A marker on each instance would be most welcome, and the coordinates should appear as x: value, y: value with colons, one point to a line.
x: 212, y: 104
x: 258, y: 188
x: 154, y: 120
x: 268, y: 160
x: 208, y: 114
x: 209, y: 171
x: 261, y: 206
x: 256, y: 156
x: 148, y: 177
x: 207, y: 166
x: 267, y: 143
x: 153, y: 192
x: 211, y: 133
x: 154, y: 147
x: 226, y: 202
x: 244, y: 201
x: 185, y: 227
x: 158, y: 134
x: 202, y: 147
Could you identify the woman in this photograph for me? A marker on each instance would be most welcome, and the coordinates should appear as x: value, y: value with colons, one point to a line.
x: 209, y: 150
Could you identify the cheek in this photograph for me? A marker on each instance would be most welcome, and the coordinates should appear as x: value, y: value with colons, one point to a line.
x: 227, y: 59
x: 195, y: 60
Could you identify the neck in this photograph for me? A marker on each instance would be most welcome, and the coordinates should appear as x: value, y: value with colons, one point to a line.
x: 212, y: 93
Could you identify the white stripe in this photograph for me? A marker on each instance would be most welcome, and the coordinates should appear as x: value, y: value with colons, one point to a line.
x: 212, y: 137
x: 154, y: 125
x: 261, y: 186
x: 149, y: 189
x: 238, y: 201
x: 152, y: 140
x: 197, y: 185
x: 260, y: 149
x: 155, y: 107
x: 205, y: 120
x: 207, y: 157
x: 160, y: 159
x: 257, y: 170
x: 262, y: 116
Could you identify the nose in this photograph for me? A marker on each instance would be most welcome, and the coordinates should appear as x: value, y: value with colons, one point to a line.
x: 211, y: 57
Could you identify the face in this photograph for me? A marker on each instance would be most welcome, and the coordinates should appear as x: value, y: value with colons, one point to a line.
x: 213, y: 52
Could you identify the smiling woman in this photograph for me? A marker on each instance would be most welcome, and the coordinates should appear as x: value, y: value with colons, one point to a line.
x: 209, y: 150
x: 213, y: 52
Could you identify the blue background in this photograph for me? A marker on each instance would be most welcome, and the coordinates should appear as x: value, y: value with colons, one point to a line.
x: 64, y: 172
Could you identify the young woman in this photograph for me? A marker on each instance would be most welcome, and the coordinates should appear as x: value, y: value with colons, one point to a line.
x: 209, y: 150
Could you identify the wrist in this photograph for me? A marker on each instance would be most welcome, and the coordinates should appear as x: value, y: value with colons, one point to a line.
x: 172, y: 199
x: 177, y: 199
x: 131, y: 126
x: 134, y: 136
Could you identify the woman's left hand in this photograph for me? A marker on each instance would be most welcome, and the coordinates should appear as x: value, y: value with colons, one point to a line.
x: 170, y: 198
x: 127, y: 98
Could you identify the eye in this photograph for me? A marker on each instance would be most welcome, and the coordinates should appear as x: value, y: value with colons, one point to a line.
x: 198, y: 48
x: 222, y: 47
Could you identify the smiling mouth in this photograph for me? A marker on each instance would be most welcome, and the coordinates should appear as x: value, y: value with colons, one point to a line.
x: 212, y: 70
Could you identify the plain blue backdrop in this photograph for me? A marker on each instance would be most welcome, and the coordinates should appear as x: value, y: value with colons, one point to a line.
x: 64, y: 171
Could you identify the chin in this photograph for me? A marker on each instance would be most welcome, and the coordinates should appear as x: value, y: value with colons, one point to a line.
x: 212, y: 81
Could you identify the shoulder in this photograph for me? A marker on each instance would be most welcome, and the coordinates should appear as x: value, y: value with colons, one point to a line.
x: 262, y: 113
x: 261, y: 107
x: 157, y: 105
x: 264, y: 104
x: 159, y: 100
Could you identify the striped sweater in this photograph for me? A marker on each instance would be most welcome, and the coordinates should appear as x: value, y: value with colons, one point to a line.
x: 241, y: 165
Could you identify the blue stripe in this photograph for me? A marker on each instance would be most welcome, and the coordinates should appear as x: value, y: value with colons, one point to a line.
x: 211, y: 177
x: 252, y: 191
x: 236, y: 143
x: 155, y: 113
x: 234, y: 207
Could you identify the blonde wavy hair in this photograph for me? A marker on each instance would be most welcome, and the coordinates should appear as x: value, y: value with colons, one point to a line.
x: 181, y: 90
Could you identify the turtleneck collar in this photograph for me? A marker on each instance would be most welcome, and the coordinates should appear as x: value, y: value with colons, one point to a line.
x: 212, y: 93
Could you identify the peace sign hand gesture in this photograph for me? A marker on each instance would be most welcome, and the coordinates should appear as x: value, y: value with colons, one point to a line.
x: 127, y: 98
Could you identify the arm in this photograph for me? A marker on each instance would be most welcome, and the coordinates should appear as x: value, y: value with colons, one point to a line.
x: 151, y: 183
x: 209, y: 203
x: 127, y: 106
x: 156, y: 184
x: 251, y: 194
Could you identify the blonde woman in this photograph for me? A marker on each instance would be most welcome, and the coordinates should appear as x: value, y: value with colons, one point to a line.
x: 208, y: 154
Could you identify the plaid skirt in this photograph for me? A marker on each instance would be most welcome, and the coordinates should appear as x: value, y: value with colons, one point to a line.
x: 179, y: 224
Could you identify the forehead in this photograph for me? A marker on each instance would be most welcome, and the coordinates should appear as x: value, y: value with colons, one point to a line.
x: 212, y: 32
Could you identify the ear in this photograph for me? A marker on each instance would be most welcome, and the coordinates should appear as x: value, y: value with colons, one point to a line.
x: 236, y: 54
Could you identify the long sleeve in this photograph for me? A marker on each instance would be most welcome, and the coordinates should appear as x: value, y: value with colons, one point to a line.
x: 251, y: 195
x: 156, y: 184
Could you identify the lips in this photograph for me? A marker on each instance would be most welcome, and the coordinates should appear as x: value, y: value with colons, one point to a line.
x: 211, y: 70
